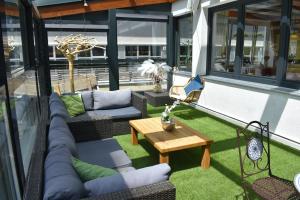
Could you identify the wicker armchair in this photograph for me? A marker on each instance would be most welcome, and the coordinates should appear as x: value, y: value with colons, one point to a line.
x: 177, y: 92
x: 255, y: 159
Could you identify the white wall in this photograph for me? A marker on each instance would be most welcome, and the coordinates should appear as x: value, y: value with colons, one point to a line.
x: 265, y: 104
x: 236, y: 100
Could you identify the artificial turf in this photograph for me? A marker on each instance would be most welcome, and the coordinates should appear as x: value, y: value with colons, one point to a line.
x: 222, y: 180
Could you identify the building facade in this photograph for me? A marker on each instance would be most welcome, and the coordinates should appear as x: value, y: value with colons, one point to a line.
x: 250, y: 58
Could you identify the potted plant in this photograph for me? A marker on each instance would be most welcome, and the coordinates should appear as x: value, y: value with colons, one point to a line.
x: 167, y: 122
x: 156, y: 71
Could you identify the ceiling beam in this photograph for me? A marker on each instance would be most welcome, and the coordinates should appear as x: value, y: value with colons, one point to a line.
x: 78, y: 8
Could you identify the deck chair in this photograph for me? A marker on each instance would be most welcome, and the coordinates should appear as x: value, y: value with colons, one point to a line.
x: 254, y: 153
x: 188, y: 93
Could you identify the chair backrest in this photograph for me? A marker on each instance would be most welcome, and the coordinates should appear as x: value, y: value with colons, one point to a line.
x: 254, y: 149
x: 194, y: 84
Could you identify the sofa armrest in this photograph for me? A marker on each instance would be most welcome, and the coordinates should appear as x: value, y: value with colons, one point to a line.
x: 86, y: 129
x: 139, y: 102
x: 163, y: 190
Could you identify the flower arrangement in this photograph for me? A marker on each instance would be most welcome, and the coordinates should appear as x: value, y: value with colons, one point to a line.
x: 167, y: 122
x: 165, y: 116
x: 156, y: 71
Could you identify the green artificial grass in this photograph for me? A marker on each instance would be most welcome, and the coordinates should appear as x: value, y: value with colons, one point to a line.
x: 222, y: 179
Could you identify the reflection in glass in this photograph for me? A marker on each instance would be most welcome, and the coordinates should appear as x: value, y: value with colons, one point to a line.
x: 261, y: 38
x: 185, y: 46
x: 293, y: 69
x: 8, y: 178
x: 22, y: 88
x: 138, y: 41
x: 224, y: 40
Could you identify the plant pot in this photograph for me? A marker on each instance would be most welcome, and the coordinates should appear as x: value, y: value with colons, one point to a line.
x: 157, y: 88
x: 168, y: 125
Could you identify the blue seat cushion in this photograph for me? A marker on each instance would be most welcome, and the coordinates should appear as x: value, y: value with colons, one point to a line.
x: 60, y: 135
x: 61, y: 181
x: 106, y: 153
x: 118, y: 113
x: 195, y: 84
x: 129, y: 179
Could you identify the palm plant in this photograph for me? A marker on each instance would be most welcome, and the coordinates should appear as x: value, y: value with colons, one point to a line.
x: 156, y: 71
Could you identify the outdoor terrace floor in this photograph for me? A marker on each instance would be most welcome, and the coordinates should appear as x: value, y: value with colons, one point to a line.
x: 222, y: 180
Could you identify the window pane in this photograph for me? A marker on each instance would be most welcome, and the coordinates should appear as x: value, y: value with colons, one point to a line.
x: 131, y: 50
x: 15, y: 53
x: 143, y: 50
x: 8, y: 178
x: 155, y: 50
x: 23, y: 94
x: 293, y: 70
x: 85, y: 54
x: 134, y: 41
x: 261, y: 38
x: 50, y: 50
x: 224, y: 40
x: 185, y: 30
x: 98, y: 51
x: 58, y: 53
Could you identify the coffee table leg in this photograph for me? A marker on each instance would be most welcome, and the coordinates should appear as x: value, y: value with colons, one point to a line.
x: 163, y: 158
x: 205, y: 163
x: 134, y: 136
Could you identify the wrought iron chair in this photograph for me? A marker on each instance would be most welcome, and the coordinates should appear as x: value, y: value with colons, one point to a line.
x: 256, y: 160
x: 178, y: 91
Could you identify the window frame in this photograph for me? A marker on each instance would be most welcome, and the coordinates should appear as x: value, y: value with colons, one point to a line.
x: 280, y: 79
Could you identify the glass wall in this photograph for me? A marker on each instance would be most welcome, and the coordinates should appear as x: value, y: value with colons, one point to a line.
x: 90, y: 67
x: 224, y: 40
x: 22, y: 87
x: 8, y: 178
x: 137, y: 42
x: 293, y: 69
x: 261, y: 39
x: 185, y: 43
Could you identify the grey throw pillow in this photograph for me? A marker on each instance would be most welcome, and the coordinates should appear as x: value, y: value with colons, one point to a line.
x: 130, y: 179
x: 61, y: 181
x: 111, y: 99
x: 88, y: 101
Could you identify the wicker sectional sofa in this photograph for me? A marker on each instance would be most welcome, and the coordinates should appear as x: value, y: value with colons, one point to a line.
x: 91, y: 141
x: 135, y: 108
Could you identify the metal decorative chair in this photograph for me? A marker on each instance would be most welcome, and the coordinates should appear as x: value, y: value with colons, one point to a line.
x: 256, y: 160
x: 180, y: 92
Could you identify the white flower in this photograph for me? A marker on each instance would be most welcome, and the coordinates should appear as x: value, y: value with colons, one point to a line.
x: 154, y: 70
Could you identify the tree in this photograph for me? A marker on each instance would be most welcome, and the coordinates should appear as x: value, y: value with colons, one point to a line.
x: 72, y: 45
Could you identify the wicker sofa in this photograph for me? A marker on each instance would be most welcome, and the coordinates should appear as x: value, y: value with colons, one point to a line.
x: 94, y: 134
x: 120, y: 115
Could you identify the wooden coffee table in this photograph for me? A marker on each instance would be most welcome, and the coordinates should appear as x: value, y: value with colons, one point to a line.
x: 182, y: 137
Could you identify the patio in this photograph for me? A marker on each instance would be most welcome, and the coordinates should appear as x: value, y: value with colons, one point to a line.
x: 82, y: 84
x: 222, y: 180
